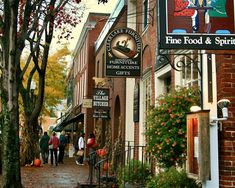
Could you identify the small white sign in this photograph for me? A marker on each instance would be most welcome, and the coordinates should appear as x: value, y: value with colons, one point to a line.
x: 87, y: 103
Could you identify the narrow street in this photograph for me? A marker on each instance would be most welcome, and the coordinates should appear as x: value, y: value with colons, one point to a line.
x: 65, y: 175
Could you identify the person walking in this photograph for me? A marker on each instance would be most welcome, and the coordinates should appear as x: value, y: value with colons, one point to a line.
x: 44, y: 147
x: 54, y: 141
x: 81, y: 146
x: 91, y: 146
x: 62, y: 145
x: 91, y: 143
x: 75, y: 142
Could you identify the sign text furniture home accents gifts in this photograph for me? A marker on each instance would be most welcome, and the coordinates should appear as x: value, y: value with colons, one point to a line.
x: 123, y: 53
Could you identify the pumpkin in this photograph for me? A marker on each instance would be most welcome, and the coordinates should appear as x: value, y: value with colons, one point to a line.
x: 106, y: 166
x: 37, y: 162
x: 101, y: 152
x: 90, y: 141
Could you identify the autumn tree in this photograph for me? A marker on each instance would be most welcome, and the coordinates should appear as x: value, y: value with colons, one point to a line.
x: 28, y: 23
x: 54, y: 93
x: 55, y: 86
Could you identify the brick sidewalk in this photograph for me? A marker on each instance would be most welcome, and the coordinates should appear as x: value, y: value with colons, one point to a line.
x: 65, y: 175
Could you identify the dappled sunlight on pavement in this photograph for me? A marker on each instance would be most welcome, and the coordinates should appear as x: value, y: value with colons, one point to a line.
x: 50, y: 176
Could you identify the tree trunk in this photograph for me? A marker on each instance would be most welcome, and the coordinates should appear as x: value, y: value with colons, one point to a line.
x: 9, y: 97
x: 11, y: 165
x: 29, y: 142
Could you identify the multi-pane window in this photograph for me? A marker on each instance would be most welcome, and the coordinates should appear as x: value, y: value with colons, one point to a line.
x: 147, y: 87
x: 70, y: 92
x: 145, y: 13
x: 190, y: 70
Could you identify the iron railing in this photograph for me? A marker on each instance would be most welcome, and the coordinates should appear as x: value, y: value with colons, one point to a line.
x: 127, y: 168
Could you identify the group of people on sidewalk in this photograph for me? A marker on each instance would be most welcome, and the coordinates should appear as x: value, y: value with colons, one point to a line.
x: 81, y: 146
x: 52, y: 144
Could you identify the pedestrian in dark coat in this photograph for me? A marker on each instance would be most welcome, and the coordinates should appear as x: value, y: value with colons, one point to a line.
x: 62, y: 145
x: 44, y: 147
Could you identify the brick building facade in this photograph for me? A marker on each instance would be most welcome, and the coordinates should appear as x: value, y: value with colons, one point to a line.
x: 81, y: 74
x: 226, y: 89
x: 116, y: 86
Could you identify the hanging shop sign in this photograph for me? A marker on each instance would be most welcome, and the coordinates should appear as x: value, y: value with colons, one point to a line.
x: 187, y: 24
x: 104, y: 114
x: 123, y: 53
x: 100, y: 98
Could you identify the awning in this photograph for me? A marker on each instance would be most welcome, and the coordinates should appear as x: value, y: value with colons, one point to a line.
x: 67, y: 122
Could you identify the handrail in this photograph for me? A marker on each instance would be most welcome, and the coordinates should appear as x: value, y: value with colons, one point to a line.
x: 124, y: 159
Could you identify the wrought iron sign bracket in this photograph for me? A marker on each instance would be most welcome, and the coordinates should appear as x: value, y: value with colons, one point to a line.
x: 178, y: 65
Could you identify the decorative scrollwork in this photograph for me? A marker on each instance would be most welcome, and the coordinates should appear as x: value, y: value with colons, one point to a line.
x: 180, y: 61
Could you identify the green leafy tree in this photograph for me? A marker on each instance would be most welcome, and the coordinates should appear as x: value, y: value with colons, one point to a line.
x: 166, y: 126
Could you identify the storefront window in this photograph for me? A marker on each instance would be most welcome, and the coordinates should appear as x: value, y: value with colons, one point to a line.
x: 147, y: 86
x: 190, y: 70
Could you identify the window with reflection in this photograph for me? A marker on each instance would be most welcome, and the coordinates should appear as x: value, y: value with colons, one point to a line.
x: 190, y: 69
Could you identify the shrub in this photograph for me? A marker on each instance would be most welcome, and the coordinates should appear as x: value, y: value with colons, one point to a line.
x: 166, y: 126
x: 172, y: 178
x: 135, y: 172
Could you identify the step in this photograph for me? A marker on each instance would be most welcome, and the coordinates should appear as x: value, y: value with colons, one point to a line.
x: 86, y: 184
